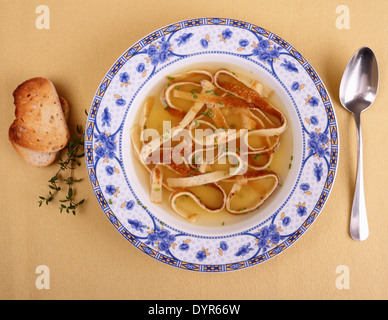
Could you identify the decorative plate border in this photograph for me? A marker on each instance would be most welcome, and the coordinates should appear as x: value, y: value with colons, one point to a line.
x: 160, y: 240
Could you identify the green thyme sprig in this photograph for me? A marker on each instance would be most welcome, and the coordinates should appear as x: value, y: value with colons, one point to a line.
x: 65, y: 175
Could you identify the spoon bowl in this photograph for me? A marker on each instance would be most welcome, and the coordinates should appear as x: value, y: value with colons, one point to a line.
x: 359, y: 83
x: 358, y: 90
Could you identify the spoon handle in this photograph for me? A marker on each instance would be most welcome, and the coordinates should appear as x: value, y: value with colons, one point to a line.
x: 359, y: 229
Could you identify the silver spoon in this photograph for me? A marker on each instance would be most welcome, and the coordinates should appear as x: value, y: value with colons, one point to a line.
x: 357, y: 92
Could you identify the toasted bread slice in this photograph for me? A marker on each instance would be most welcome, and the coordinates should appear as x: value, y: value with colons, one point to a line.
x: 40, y: 123
x: 35, y: 158
x: 40, y: 159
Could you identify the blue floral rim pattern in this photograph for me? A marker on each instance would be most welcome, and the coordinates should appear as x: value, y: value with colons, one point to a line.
x: 133, y: 70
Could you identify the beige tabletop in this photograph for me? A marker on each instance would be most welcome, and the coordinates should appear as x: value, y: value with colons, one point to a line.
x: 84, y: 257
